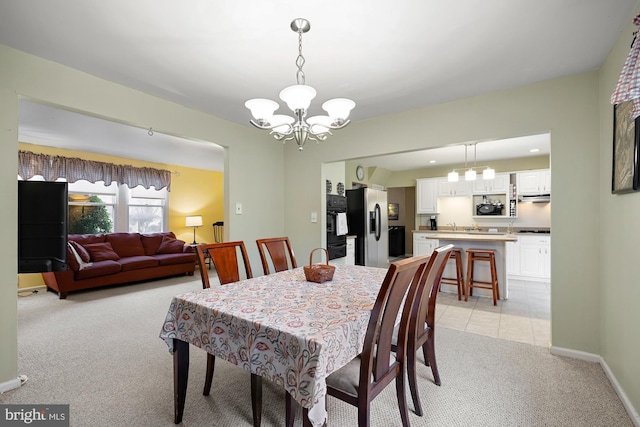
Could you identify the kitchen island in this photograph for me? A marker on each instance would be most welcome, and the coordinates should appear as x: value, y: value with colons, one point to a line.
x: 424, y: 241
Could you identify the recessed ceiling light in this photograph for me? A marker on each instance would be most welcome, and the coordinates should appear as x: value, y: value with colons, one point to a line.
x: 432, y: 161
x: 534, y: 150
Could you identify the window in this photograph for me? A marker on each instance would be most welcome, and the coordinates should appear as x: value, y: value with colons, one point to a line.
x: 96, y: 208
x: 146, y: 209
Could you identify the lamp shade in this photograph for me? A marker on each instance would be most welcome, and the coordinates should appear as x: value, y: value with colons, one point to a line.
x: 452, y: 177
x: 320, y: 124
x: 262, y: 109
x: 470, y: 175
x: 338, y: 108
x: 298, y: 97
x: 488, y: 173
x: 193, y: 221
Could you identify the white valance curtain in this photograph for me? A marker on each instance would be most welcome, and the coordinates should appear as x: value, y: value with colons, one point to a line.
x: 73, y: 169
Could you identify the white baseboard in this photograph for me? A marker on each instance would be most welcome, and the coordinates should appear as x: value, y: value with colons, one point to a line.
x: 576, y: 354
x: 41, y: 288
x: 10, y: 385
x: 595, y: 358
x: 633, y: 414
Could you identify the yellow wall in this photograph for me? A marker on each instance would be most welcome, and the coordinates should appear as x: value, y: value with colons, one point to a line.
x: 193, y: 192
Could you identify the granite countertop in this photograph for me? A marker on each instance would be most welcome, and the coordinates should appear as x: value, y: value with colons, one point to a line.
x: 472, y: 236
x: 493, y: 236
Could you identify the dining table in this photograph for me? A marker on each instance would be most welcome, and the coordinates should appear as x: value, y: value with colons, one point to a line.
x: 280, y: 326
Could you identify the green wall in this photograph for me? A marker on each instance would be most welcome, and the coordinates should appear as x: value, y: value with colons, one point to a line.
x: 593, y: 269
x: 253, y: 161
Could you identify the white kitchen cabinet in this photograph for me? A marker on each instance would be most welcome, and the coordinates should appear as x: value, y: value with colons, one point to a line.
x: 535, y: 256
x: 350, y: 259
x: 422, y: 245
x: 534, y: 182
x: 500, y: 184
x: 448, y: 189
x: 513, y: 258
x: 427, y: 196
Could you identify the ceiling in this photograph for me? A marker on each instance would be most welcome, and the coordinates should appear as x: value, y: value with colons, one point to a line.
x: 212, y: 56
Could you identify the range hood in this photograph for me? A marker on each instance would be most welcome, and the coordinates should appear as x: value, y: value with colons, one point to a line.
x: 537, y: 198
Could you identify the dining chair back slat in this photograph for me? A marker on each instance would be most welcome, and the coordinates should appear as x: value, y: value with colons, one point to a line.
x: 280, y: 254
x: 225, y: 258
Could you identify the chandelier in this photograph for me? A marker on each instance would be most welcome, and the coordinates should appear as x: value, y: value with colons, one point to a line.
x: 470, y: 174
x: 298, y: 98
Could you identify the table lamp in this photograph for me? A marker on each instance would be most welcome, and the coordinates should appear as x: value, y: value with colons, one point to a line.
x: 194, y: 221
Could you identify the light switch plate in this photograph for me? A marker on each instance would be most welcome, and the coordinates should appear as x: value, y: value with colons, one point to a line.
x: 238, y: 208
x: 314, y: 216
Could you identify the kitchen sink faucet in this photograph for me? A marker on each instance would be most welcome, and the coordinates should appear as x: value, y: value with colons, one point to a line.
x: 455, y: 227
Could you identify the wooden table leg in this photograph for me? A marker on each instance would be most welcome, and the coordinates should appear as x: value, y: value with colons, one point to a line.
x: 180, y: 377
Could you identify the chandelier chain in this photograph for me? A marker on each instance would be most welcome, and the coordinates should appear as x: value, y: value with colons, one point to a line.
x: 300, y: 60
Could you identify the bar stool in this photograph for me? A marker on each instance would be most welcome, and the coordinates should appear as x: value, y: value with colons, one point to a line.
x: 486, y: 255
x: 458, y: 281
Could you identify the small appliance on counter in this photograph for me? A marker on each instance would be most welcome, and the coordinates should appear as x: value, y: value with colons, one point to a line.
x: 433, y: 222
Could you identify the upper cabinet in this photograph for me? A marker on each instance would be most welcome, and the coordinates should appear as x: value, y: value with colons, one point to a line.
x: 427, y: 195
x: 458, y: 188
x: 534, y: 182
x: 500, y: 184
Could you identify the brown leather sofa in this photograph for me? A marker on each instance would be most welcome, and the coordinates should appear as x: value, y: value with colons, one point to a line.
x: 97, y: 260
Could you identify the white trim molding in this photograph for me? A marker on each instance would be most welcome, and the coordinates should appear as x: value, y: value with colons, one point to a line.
x: 10, y: 385
x: 595, y: 358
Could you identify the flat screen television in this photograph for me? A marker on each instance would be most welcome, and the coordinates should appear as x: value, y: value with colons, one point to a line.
x: 42, y: 226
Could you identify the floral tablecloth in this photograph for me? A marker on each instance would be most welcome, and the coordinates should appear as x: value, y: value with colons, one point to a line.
x: 282, y: 327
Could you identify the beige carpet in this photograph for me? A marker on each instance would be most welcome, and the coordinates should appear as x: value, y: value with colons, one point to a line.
x: 99, y: 351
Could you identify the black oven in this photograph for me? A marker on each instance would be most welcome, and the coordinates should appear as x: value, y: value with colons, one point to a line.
x: 336, y: 245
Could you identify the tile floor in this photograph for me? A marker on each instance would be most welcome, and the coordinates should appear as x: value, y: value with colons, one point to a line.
x: 524, y: 317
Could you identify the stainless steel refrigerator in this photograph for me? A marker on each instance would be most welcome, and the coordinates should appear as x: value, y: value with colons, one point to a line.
x: 367, y: 219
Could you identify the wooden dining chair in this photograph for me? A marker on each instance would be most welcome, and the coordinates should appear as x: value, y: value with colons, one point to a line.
x: 280, y: 254
x: 421, y: 327
x: 226, y: 258
x: 368, y: 374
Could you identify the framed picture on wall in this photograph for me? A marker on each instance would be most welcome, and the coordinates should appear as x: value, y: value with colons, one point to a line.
x: 394, y: 210
x: 626, y: 133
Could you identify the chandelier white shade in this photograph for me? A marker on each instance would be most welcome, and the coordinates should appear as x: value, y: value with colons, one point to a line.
x: 298, y: 98
x: 488, y: 173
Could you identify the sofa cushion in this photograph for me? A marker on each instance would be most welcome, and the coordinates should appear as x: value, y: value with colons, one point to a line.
x: 172, y: 259
x: 170, y: 245
x: 101, y: 251
x: 137, y: 262
x: 79, y: 263
x: 81, y: 251
x: 100, y: 268
x: 126, y: 244
x: 151, y: 242
x: 72, y: 262
x: 85, y: 239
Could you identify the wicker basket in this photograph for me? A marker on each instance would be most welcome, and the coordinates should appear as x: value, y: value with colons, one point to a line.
x: 319, y: 272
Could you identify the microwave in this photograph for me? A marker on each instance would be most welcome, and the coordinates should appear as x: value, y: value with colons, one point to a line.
x: 489, y: 209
